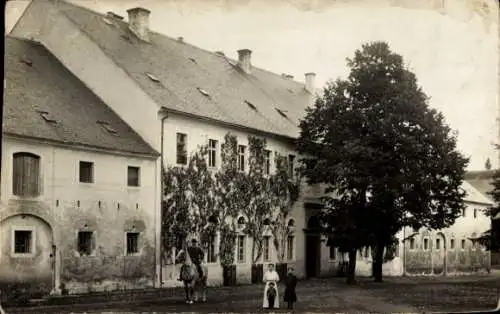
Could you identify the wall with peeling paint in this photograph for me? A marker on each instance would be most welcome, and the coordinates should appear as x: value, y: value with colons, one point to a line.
x: 108, y: 207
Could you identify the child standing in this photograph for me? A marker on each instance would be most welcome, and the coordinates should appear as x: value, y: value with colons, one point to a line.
x: 271, y: 293
x: 290, y: 284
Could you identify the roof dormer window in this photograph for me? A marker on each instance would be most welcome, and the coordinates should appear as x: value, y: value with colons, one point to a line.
x: 152, y: 77
x: 106, y: 126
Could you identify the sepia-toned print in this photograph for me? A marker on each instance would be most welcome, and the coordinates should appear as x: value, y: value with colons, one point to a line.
x: 250, y: 156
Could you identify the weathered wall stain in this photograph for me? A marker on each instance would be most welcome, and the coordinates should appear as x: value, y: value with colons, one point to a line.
x: 107, y: 207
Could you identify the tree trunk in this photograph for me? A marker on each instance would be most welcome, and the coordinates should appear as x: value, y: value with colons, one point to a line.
x: 378, y: 261
x: 351, y: 269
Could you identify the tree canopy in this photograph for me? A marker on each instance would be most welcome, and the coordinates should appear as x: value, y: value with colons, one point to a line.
x: 390, y: 159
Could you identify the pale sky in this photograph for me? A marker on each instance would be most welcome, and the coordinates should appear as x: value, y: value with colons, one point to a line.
x: 452, y: 50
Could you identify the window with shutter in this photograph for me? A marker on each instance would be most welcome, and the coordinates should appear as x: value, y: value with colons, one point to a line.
x: 26, y: 175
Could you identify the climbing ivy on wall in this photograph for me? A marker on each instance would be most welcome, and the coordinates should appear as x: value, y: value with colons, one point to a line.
x: 259, y: 206
x: 200, y: 201
x: 188, y: 200
x: 228, y: 198
x: 285, y: 191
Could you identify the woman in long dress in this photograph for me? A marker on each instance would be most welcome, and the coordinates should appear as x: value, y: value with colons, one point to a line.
x: 271, y: 279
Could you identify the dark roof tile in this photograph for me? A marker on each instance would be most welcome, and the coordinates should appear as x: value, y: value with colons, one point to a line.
x: 44, y: 100
x: 171, y: 62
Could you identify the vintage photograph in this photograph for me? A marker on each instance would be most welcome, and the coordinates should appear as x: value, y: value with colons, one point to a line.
x: 250, y: 156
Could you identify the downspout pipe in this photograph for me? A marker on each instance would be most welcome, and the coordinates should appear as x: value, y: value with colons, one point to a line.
x: 164, y: 115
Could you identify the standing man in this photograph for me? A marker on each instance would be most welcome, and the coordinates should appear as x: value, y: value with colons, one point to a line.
x: 197, y: 255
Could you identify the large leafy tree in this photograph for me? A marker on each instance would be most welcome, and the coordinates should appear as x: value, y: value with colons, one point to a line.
x: 390, y: 159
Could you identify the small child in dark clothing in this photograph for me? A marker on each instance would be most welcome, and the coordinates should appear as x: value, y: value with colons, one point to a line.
x: 271, y: 295
x: 290, y: 284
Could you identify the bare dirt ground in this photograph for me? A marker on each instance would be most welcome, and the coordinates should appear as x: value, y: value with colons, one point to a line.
x: 395, y: 295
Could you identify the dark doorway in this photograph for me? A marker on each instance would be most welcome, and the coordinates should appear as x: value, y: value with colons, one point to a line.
x: 313, y: 247
x: 312, y: 255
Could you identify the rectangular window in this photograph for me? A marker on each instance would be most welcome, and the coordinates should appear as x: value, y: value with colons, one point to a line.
x: 290, y: 241
x: 133, y: 174
x: 212, y: 153
x: 291, y: 166
x: 475, y: 213
x: 241, y: 249
x: 267, y: 162
x: 412, y: 244
x: 132, y: 243
x: 210, y: 248
x: 452, y: 244
x: 367, y: 252
x: 26, y: 175
x: 463, y: 244
x: 438, y: 244
x: 241, y: 157
x: 23, y: 241
x: 85, y: 243
x: 181, y: 149
x: 463, y: 212
x: 333, y: 253
x: 426, y: 244
x: 86, y: 172
x: 265, y: 247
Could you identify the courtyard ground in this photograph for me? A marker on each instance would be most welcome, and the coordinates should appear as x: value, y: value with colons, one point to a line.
x: 395, y: 295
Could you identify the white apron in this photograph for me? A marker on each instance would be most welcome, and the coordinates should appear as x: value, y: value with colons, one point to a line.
x: 268, y: 278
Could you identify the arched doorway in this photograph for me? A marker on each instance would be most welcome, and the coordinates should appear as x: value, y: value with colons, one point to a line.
x: 313, y: 247
x: 27, y: 253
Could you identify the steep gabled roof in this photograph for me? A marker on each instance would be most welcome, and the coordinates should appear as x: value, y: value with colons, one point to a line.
x: 482, y: 181
x: 188, y: 79
x: 43, y: 100
x: 474, y: 195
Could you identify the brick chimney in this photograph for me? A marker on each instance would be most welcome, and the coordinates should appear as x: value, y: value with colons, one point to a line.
x: 245, y: 60
x: 310, y: 82
x: 138, y: 22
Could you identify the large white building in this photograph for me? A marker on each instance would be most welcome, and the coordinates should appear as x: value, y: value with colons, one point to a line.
x: 173, y: 93
x: 71, y: 168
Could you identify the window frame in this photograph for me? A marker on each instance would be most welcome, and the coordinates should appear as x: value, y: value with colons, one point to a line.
x: 209, y: 249
x: 267, y: 162
x: 181, y: 153
x: 463, y: 244
x: 33, y: 239
x: 212, y: 153
x: 242, y: 151
x: 437, y: 244
x: 126, y: 247
x: 92, y: 171
x: 452, y: 243
x: 28, y: 189
x: 129, y: 167
x: 413, y: 243
x: 241, y: 248
x: 425, y: 244
x: 332, y: 249
x: 93, y: 242
x: 266, y: 248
